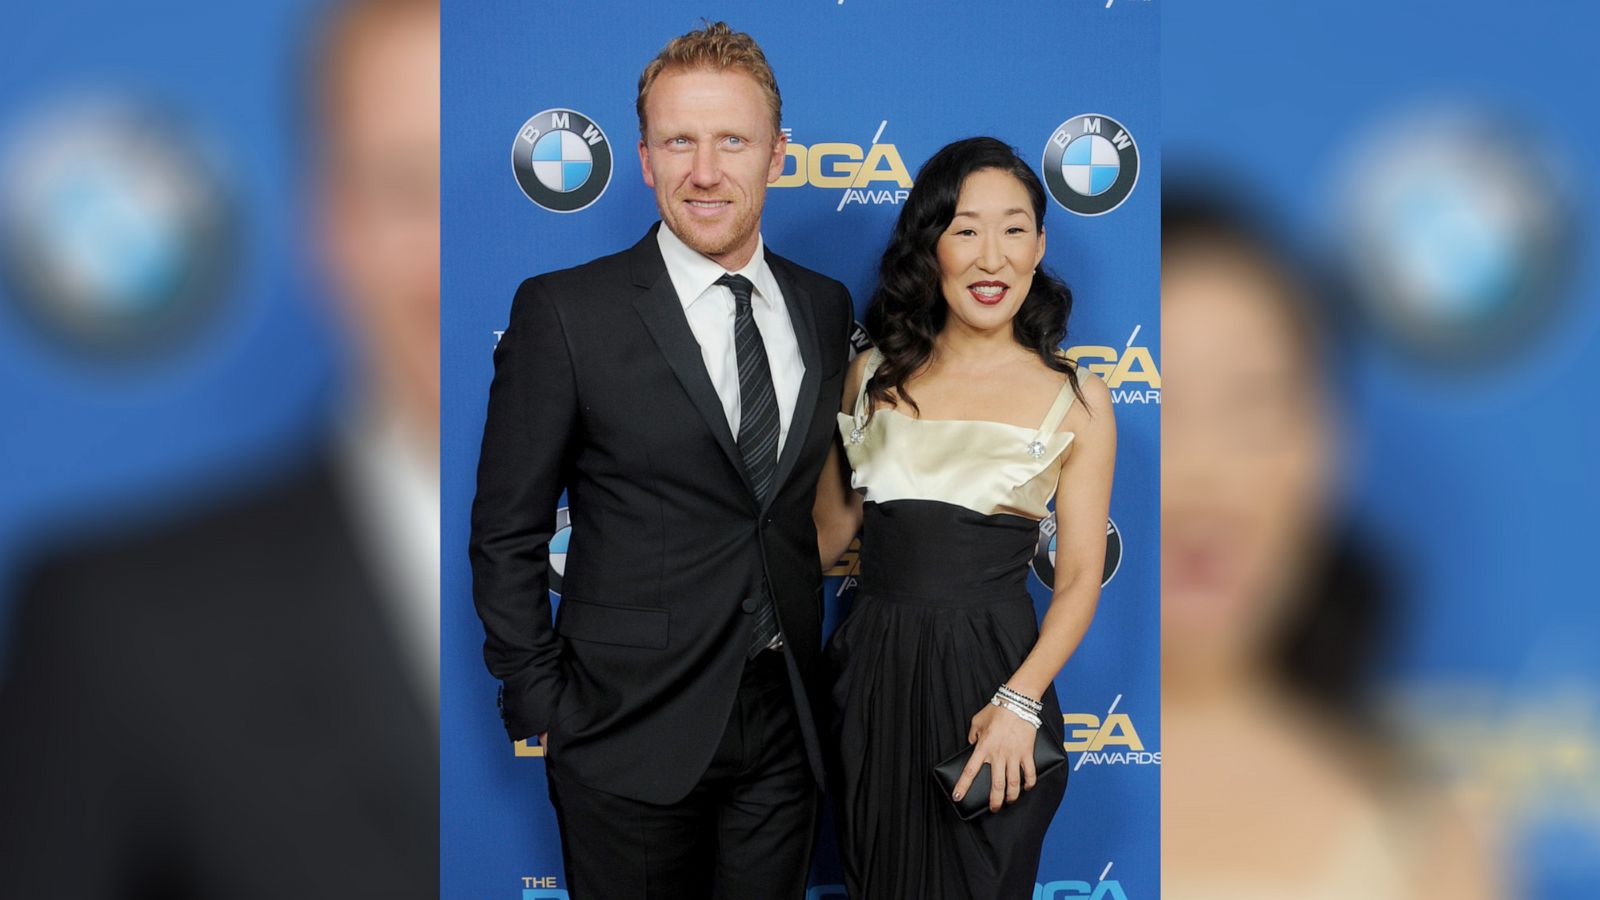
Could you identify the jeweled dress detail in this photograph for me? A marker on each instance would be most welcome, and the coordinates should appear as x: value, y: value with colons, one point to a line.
x: 942, y: 617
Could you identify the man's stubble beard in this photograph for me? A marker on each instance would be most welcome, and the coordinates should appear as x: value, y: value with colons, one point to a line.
x: 748, y: 222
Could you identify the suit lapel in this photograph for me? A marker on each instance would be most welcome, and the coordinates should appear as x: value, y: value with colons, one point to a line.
x: 658, y: 306
x: 802, y: 317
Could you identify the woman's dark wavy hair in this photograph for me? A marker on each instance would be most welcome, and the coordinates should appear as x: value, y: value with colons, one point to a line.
x: 908, y: 309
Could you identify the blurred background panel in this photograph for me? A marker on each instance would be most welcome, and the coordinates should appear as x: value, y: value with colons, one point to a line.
x: 1425, y: 175
x: 159, y: 333
x: 219, y: 509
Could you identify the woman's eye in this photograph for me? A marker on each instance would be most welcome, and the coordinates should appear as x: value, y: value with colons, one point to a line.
x: 965, y: 232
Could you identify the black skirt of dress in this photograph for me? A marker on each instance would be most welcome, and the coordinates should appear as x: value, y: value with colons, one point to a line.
x: 942, y: 617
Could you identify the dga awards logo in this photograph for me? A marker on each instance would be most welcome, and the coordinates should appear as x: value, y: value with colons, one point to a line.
x: 1044, y: 558
x: 1103, y: 888
x: 562, y: 160
x: 868, y: 175
x: 1131, y: 373
x: 1091, y: 164
x: 1109, y: 740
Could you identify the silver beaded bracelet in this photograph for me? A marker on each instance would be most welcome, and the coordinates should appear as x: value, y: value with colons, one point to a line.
x: 1021, y: 699
x: 1021, y: 713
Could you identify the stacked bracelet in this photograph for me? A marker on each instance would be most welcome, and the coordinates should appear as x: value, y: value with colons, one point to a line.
x: 1021, y: 712
x: 1023, y: 700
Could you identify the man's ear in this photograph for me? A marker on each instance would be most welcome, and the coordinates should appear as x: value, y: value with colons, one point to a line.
x: 780, y: 151
x: 644, y: 165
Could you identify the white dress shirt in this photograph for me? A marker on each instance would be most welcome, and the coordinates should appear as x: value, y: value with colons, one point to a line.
x: 392, y: 486
x: 709, y: 307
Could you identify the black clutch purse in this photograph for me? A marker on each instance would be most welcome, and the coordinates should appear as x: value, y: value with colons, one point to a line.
x: 1047, y: 757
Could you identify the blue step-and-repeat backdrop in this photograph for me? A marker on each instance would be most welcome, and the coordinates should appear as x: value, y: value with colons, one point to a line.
x: 870, y: 91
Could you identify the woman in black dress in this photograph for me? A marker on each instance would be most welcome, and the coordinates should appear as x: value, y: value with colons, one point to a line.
x: 959, y: 429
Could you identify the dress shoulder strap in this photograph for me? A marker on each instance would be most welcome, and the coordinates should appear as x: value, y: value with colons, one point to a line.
x: 874, y: 359
x: 1058, y: 411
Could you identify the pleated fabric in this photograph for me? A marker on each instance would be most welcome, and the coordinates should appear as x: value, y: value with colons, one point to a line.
x: 942, y: 617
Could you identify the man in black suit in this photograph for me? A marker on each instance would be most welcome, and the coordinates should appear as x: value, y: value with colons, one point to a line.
x: 683, y: 393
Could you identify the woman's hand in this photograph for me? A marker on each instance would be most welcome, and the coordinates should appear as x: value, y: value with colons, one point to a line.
x: 1005, y: 742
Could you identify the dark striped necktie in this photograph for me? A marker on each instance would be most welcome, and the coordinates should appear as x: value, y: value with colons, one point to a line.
x: 758, y: 428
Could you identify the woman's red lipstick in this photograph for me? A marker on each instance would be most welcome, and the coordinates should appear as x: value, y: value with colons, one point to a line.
x: 991, y: 293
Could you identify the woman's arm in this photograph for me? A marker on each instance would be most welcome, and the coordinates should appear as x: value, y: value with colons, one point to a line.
x: 1083, y: 506
x: 1083, y: 503
x: 837, y: 509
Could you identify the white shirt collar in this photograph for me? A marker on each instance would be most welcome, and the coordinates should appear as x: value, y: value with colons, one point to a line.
x: 693, y: 273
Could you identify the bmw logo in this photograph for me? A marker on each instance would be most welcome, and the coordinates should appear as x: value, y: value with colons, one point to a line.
x: 117, y: 228
x: 1091, y: 164
x: 562, y: 160
x: 1044, y: 558
x: 860, y: 341
x: 1456, y: 234
x: 558, y: 549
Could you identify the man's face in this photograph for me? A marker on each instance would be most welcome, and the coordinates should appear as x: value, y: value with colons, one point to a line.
x: 378, y: 203
x: 708, y: 153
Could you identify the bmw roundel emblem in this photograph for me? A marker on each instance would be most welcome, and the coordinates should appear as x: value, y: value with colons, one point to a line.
x: 562, y: 160
x: 860, y: 341
x: 558, y: 548
x: 118, y: 228
x: 1456, y: 228
x: 1044, y: 557
x: 1091, y: 164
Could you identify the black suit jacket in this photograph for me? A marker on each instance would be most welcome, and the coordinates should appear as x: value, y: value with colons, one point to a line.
x: 600, y: 389
x: 213, y: 707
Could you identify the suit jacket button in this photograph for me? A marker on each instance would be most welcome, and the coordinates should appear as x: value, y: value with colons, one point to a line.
x: 748, y: 605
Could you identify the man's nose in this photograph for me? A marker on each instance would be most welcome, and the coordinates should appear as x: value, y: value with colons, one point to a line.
x: 706, y: 172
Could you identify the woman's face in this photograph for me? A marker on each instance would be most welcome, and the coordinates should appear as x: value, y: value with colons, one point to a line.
x: 988, y: 252
x: 1246, y: 461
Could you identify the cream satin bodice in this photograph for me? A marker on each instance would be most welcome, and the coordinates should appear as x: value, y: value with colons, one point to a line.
x: 987, y: 467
